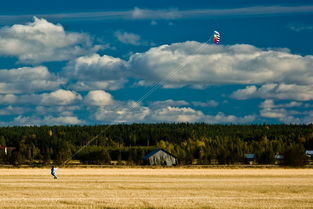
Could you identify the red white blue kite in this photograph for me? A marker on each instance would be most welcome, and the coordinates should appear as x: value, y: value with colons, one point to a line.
x: 216, y: 37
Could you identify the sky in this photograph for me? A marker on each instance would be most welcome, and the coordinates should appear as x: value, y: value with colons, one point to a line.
x: 99, y: 62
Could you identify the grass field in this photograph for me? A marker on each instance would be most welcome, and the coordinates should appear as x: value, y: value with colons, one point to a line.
x: 156, y: 188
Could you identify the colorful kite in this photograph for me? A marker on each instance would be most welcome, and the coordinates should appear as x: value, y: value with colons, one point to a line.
x: 216, y: 37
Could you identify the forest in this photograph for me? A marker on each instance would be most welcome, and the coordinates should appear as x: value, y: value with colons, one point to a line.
x: 197, y: 143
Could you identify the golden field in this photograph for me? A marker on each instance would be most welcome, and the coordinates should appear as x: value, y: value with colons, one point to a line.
x: 156, y: 188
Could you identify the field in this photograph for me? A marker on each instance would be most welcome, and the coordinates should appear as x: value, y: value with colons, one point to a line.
x: 156, y: 188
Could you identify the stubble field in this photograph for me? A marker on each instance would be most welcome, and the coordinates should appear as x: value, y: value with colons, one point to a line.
x: 156, y: 188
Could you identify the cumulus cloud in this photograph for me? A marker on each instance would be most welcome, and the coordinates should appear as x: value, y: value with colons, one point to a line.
x: 98, y: 98
x: 161, y: 111
x: 96, y: 72
x: 187, y: 114
x: 176, y: 114
x: 8, y: 99
x: 222, y: 118
x: 41, y: 41
x: 28, y: 79
x: 210, y: 103
x: 64, y: 110
x: 124, y: 112
x: 169, y: 102
x: 13, y: 110
x: 285, y: 112
x: 127, y: 38
x: 58, y: 97
x: 195, y: 64
x: 276, y: 91
x: 46, y: 120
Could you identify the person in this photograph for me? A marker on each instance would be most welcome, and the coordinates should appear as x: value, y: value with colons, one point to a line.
x: 53, y: 169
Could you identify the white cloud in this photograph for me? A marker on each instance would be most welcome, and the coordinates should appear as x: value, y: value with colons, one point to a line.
x: 160, y: 111
x: 41, y: 41
x: 28, y: 79
x: 58, y: 97
x: 285, y: 113
x: 98, y: 98
x: 64, y: 110
x: 13, y: 110
x: 187, y: 114
x: 199, y: 65
x: 298, y: 27
x: 127, y: 38
x: 153, y: 23
x: 123, y: 112
x: 276, y: 91
x: 47, y: 120
x: 222, y: 118
x: 169, y: 102
x: 96, y: 72
x: 8, y: 99
x: 210, y: 103
x: 138, y: 13
x: 176, y: 114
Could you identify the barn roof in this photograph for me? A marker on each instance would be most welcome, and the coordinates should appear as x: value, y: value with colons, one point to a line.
x: 153, y: 152
x: 250, y: 156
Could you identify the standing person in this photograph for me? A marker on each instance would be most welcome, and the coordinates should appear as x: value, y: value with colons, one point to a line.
x: 53, y: 169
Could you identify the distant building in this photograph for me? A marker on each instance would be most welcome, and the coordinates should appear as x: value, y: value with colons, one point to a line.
x: 309, y: 153
x: 249, y: 158
x: 160, y: 157
x: 4, y: 149
x: 279, y: 159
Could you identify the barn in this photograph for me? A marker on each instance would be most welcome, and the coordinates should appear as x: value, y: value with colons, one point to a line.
x: 160, y: 157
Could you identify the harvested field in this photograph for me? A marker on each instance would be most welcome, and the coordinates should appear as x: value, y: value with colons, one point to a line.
x: 156, y: 188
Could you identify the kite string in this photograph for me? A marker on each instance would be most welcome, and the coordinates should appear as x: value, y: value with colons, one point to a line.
x: 156, y: 86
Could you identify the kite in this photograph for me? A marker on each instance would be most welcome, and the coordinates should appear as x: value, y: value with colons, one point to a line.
x: 216, y: 37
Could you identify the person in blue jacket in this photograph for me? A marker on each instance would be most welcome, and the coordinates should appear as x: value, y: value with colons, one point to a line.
x: 53, y: 169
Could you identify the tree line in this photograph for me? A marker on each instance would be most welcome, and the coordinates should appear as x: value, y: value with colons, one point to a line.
x: 197, y: 143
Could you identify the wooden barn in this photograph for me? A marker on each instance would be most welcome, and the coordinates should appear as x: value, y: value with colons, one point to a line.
x: 160, y: 157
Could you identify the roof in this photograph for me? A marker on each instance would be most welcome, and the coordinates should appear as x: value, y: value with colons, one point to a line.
x: 249, y: 156
x: 10, y: 148
x: 309, y: 152
x: 279, y: 157
x: 153, y: 152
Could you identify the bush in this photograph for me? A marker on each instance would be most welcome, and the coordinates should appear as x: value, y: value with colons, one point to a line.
x: 295, y: 156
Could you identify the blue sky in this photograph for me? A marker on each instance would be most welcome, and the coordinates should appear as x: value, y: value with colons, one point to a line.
x: 103, y: 62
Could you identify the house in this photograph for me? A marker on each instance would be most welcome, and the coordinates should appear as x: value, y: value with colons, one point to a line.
x: 5, y: 150
x: 249, y: 158
x: 279, y: 159
x: 309, y: 153
x: 160, y: 157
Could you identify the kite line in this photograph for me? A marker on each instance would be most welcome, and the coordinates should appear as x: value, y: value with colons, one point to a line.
x: 155, y: 87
